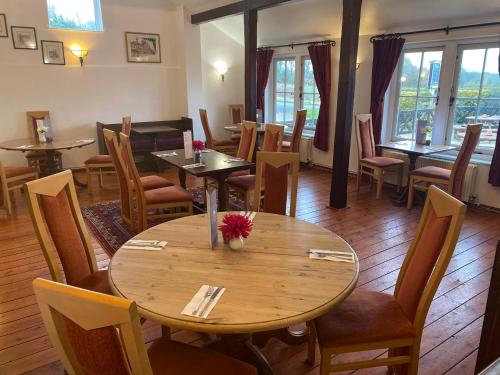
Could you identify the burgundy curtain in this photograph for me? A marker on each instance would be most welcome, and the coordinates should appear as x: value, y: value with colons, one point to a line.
x: 386, y: 54
x: 494, y: 177
x: 321, y: 62
x: 264, y: 59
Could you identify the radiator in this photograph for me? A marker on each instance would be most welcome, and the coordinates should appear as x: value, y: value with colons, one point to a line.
x: 305, y: 150
x: 469, y: 182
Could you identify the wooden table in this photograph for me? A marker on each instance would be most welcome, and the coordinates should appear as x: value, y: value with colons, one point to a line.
x: 271, y: 284
x: 414, y: 151
x: 215, y: 167
x: 49, y: 148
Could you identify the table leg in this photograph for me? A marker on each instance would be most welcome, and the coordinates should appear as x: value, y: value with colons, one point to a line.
x: 182, y: 177
x: 402, y: 198
x: 222, y: 192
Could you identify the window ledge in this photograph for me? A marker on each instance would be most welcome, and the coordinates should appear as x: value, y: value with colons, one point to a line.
x: 479, y: 159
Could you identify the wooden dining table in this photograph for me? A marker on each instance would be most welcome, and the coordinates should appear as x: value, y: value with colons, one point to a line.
x: 270, y: 285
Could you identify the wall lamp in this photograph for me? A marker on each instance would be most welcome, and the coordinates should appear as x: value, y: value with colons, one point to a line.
x: 221, y: 69
x: 77, y: 51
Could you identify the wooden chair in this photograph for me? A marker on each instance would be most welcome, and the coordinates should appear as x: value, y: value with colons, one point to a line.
x: 37, y: 159
x: 62, y: 233
x: 225, y: 146
x: 176, y: 201
x: 95, y: 334
x: 451, y: 178
x: 98, y: 165
x: 13, y: 178
x: 274, y: 166
x: 369, y: 164
x: 242, y: 186
x: 237, y: 116
x: 293, y: 145
x: 369, y: 320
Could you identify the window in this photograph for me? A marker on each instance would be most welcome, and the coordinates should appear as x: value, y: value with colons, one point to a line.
x: 418, y: 91
x: 294, y: 88
x: 82, y: 15
x: 477, y: 94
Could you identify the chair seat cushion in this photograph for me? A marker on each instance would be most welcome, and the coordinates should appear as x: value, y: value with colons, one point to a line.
x: 97, y: 282
x: 364, y: 317
x: 432, y: 172
x: 172, y: 357
x: 245, y: 182
x: 99, y: 159
x: 170, y: 194
x: 240, y: 173
x: 225, y: 142
x: 382, y: 161
x: 17, y: 171
x: 154, y: 182
x: 286, y: 144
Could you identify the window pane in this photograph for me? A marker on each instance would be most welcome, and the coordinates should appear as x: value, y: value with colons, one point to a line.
x: 280, y: 76
x: 410, y: 73
x: 75, y: 15
x: 426, y: 110
x: 489, y: 116
x: 465, y: 113
x: 430, y: 73
x: 290, y: 75
x: 469, y: 80
x: 491, y: 78
x: 309, y: 84
x: 289, y: 108
x: 279, y: 111
x: 406, y: 117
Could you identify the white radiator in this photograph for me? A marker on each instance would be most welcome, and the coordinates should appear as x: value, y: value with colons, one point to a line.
x: 469, y: 182
x: 305, y: 150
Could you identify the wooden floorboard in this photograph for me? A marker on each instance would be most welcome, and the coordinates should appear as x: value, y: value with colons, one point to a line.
x: 378, y: 231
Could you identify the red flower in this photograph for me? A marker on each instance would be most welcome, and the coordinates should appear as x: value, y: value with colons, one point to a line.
x: 198, y: 145
x: 235, y: 226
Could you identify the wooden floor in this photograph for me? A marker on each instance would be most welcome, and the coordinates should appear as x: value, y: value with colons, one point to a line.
x: 379, y: 232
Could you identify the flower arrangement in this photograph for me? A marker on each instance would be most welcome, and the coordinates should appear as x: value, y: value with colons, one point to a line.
x: 42, y: 129
x: 426, y: 130
x: 235, y: 226
x: 198, y: 145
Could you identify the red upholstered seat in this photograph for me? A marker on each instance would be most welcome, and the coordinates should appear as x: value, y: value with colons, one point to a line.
x: 17, y: 171
x: 225, y: 142
x: 170, y: 194
x: 97, y: 282
x: 239, y: 173
x: 154, y: 182
x: 171, y: 357
x: 364, y: 317
x: 99, y: 159
x: 432, y: 172
x: 382, y: 161
x: 246, y: 182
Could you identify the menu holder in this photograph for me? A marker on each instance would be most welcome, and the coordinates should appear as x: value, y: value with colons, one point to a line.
x: 188, y: 144
x: 421, y: 135
x: 211, y: 199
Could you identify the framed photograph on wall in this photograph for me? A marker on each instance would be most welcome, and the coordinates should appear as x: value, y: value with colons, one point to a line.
x: 4, y: 32
x: 24, y: 37
x: 143, y: 47
x: 53, y: 52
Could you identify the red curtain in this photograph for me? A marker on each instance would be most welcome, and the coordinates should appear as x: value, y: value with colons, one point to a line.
x: 494, y: 177
x: 321, y: 62
x: 264, y: 59
x: 386, y: 54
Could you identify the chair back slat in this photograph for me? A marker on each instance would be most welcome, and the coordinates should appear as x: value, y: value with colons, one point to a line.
x: 236, y: 113
x: 429, y: 254
x: 93, y: 333
x: 472, y: 136
x: 364, y: 135
x: 273, y: 138
x: 127, y: 125
x: 272, y: 178
x: 206, y: 128
x: 60, y: 228
x: 248, y: 138
x: 300, y: 122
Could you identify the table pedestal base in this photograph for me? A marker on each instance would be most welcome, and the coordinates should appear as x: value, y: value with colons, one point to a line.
x: 52, y: 167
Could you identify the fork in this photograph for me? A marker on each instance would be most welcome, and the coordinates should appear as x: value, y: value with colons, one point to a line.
x: 208, y: 294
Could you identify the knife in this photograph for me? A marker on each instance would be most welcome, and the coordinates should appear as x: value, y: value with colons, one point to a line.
x: 212, y: 298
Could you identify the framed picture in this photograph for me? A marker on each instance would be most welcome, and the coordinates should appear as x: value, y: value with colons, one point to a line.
x: 53, y: 52
x: 24, y: 37
x: 4, y: 32
x: 143, y: 48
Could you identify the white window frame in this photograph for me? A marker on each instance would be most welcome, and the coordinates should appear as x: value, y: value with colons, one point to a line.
x: 99, y: 25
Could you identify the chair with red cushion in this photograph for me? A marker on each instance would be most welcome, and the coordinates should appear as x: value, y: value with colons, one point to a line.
x: 451, y: 178
x: 225, y: 146
x: 243, y: 185
x: 369, y: 320
x: 293, y: 145
x: 97, y: 334
x: 62, y: 233
x: 166, y: 202
x: 369, y: 164
x: 101, y: 164
x: 11, y: 179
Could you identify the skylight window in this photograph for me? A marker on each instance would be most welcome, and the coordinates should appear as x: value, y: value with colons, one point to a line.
x: 83, y: 15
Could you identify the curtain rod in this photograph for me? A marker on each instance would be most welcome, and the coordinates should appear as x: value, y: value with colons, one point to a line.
x: 292, y: 45
x: 446, y: 30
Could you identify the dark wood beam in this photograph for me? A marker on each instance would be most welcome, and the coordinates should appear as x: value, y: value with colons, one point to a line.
x: 250, y: 28
x: 233, y: 9
x: 345, y: 102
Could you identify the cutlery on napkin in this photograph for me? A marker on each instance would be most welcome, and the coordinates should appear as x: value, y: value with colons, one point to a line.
x: 25, y: 146
x: 144, y: 245
x: 195, y: 165
x: 203, y: 301
x: 334, y: 256
x: 84, y: 140
x: 168, y: 154
x: 249, y: 214
x: 233, y: 160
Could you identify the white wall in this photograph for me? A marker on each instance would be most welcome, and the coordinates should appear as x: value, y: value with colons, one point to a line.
x: 105, y: 89
x: 217, y: 95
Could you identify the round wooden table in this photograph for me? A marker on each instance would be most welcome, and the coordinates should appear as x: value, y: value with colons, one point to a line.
x: 271, y: 284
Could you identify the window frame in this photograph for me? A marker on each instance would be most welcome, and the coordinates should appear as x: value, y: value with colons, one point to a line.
x: 301, y: 95
x: 99, y: 23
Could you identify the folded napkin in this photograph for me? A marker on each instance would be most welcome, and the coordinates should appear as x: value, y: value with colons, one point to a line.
x: 249, y: 214
x: 85, y: 140
x: 334, y: 256
x: 203, y: 301
x: 168, y: 154
x: 144, y: 245
x: 25, y: 146
x: 195, y: 165
x: 205, y: 151
x: 233, y: 160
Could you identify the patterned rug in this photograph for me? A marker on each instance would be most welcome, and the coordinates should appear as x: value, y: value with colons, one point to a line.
x: 105, y: 222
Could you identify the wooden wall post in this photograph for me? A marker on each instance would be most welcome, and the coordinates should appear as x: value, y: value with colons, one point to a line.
x: 250, y: 17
